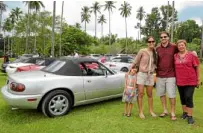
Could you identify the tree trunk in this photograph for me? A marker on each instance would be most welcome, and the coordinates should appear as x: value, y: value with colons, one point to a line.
x: 44, y: 46
x: 53, y: 27
x: 109, y: 28
x: 35, y: 44
x: 95, y: 24
x: 4, y: 45
x: 140, y: 31
x: 27, y: 30
x: 102, y: 30
x: 0, y: 19
x: 126, y: 36
x: 85, y: 26
x: 172, y: 25
x: 12, y: 44
x: 61, y: 28
x: 8, y: 45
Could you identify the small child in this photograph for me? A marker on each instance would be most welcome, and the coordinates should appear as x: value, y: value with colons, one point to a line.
x: 130, y: 92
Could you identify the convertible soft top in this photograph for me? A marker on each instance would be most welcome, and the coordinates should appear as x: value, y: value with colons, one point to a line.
x: 79, y: 59
x: 71, y: 67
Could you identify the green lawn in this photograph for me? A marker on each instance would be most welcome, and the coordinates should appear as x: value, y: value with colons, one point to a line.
x: 103, y: 117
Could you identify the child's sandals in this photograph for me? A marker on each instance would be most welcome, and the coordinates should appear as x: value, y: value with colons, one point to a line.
x: 128, y: 115
x: 125, y: 114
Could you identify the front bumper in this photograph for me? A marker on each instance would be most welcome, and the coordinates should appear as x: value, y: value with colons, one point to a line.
x: 20, y: 101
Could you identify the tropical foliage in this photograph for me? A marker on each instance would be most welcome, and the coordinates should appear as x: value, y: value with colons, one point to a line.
x: 31, y: 32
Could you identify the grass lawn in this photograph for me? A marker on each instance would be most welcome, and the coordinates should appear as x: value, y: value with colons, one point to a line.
x: 103, y: 117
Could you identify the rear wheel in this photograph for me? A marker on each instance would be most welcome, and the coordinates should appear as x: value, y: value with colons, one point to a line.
x: 57, y: 103
x: 124, y: 69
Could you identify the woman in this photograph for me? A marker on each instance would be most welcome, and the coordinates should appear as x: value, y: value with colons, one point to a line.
x: 187, y: 78
x: 146, y: 63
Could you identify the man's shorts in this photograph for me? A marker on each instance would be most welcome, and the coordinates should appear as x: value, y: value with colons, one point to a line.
x: 145, y: 79
x: 166, y: 85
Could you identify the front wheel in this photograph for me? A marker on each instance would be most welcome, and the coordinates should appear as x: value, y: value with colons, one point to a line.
x: 124, y: 69
x: 57, y: 103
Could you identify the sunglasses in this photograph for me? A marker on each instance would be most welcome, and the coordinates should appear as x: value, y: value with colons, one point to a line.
x: 163, y: 37
x: 150, y: 41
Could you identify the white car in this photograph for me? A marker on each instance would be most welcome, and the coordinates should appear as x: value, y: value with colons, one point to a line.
x: 95, y: 56
x: 12, y: 68
x: 121, y: 55
x: 120, y: 63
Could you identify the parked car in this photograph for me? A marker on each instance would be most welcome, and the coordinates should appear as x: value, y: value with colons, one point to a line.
x: 120, y: 63
x: 12, y: 68
x: 39, y: 65
x: 63, y: 84
x: 121, y: 55
x: 4, y: 65
x: 95, y: 56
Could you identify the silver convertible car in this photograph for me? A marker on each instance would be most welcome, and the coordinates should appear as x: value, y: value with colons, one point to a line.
x: 63, y: 84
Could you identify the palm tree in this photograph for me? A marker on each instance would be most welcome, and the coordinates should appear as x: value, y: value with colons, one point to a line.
x: 2, y: 9
x: 13, y: 20
x: 77, y: 25
x: 96, y: 8
x: 7, y: 28
x: 140, y: 16
x: 17, y: 12
x: 36, y: 5
x: 109, y: 6
x: 101, y: 21
x: 137, y: 27
x: 85, y: 15
x: 125, y: 12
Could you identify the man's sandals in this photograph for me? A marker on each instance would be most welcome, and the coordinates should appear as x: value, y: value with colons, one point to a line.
x: 163, y: 114
x: 173, y: 117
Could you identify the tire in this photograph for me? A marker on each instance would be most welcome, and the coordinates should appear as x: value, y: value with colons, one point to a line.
x: 124, y: 69
x: 57, y: 103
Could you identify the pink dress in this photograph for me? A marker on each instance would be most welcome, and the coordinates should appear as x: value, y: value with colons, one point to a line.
x: 127, y: 96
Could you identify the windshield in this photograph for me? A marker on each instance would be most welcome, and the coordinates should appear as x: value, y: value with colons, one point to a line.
x: 40, y: 62
x: 20, y: 60
x: 55, y: 66
x: 27, y: 55
x: 95, y: 55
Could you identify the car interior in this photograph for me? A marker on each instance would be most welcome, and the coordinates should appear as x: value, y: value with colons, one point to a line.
x: 92, y: 69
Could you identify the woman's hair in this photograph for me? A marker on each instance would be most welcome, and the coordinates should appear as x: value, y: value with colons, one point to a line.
x: 181, y: 41
x: 149, y: 38
x: 153, y: 50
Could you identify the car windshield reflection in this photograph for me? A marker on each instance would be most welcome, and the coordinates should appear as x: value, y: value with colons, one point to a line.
x: 55, y: 66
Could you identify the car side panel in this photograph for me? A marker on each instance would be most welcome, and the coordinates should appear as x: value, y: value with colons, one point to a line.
x: 102, y: 86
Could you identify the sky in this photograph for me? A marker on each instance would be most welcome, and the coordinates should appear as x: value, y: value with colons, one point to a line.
x: 72, y: 13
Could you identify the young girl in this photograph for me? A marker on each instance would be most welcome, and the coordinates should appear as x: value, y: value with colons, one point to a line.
x: 129, y: 94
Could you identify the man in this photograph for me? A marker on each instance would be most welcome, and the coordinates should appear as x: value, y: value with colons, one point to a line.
x: 166, y: 81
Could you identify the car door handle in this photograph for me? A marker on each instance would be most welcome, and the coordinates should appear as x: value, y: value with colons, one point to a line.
x: 88, y: 81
